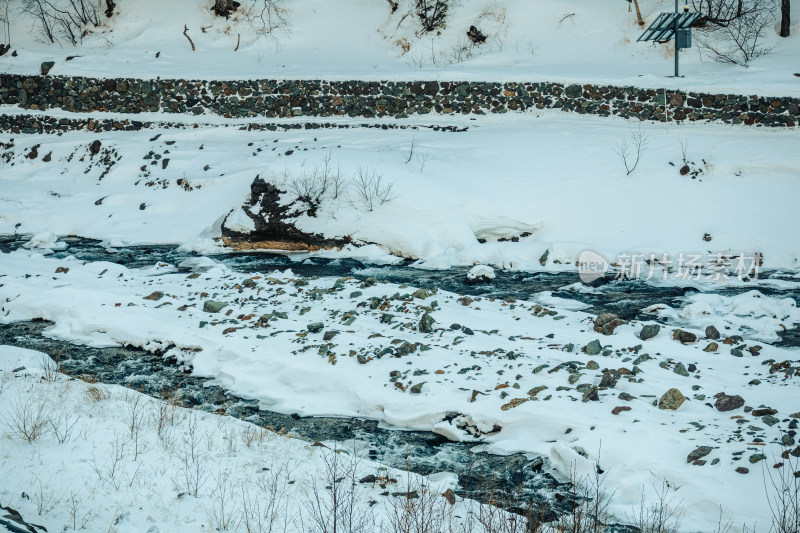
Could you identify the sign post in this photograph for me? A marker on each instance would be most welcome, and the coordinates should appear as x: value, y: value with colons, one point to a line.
x: 668, y: 26
x: 677, y: 50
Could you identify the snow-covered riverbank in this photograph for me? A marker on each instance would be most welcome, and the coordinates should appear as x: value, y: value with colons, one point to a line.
x: 408, y: 357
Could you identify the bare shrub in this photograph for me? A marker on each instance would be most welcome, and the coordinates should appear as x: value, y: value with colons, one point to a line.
x: 193, y: 468
x: 62, y: 425
x: 734, y: 30
x: 461, y: 50
x: 225, y: 511
x: 63, y: 19
x: 662, y: 516
x: 590, y: 511
x: 50, y: 367
x: 253, y: 435
x: 411, y: 151
x: 266, y: 508
x: 5, y: 26
x: 419, y: 510
x: 314, y: 184
x: 109, y: 471
x: 164, y: 414
x: 27, y: 418
x: 268, y: 18
x: 335, y: 506
x: 432, y: 13
x: 782, y: 486
x: 135, y: 420
x: 631, y: 148
x: 79, y: 517
x: 370, y: 189
x: 722, y: 12
x: 44, y: 498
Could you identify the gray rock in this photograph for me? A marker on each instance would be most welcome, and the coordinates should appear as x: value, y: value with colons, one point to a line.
x: 712, y: 333
x: 315, y: 327
x: 756, y: 457
x: 769, y: 420
x: 680, y: 370
x: 764, y: 411
x: 426, y: 323
x: 610, y: 378
x: 593, y: 348
x: 213, y: 306
x: 591, y: 394
x: 699, y: 453
x: 649, y: 331
x: 46, y: 66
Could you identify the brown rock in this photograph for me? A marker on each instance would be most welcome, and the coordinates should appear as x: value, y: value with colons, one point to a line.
x: 450, y: 496
x: 672, y: 400
x: 620, y: 408
x: 728, y: 403
x: 684, y: 337
x: 607, y: 323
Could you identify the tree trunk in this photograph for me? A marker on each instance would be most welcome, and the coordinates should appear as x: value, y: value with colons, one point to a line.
x: 785, y: 18
x: 639, y: 19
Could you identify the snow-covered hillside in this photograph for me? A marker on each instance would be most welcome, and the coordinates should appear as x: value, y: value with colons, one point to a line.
x: 544, y: 40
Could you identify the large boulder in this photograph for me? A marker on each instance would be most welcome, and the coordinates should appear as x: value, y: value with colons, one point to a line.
x: 267, y: 221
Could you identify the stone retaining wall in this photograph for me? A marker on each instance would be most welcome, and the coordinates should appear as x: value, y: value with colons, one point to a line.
x: 297, y: 98
x: 38, y: 124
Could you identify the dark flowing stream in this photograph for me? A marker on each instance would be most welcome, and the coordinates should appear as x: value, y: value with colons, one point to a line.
x: 518, y: 482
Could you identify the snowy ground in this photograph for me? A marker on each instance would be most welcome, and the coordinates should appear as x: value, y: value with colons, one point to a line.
x: 556, y: 177
x: 88, y: 456
x: 548, y: 40
x: 523, y: 365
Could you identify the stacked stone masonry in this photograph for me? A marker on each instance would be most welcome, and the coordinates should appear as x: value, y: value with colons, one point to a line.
x: 370, y: 99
